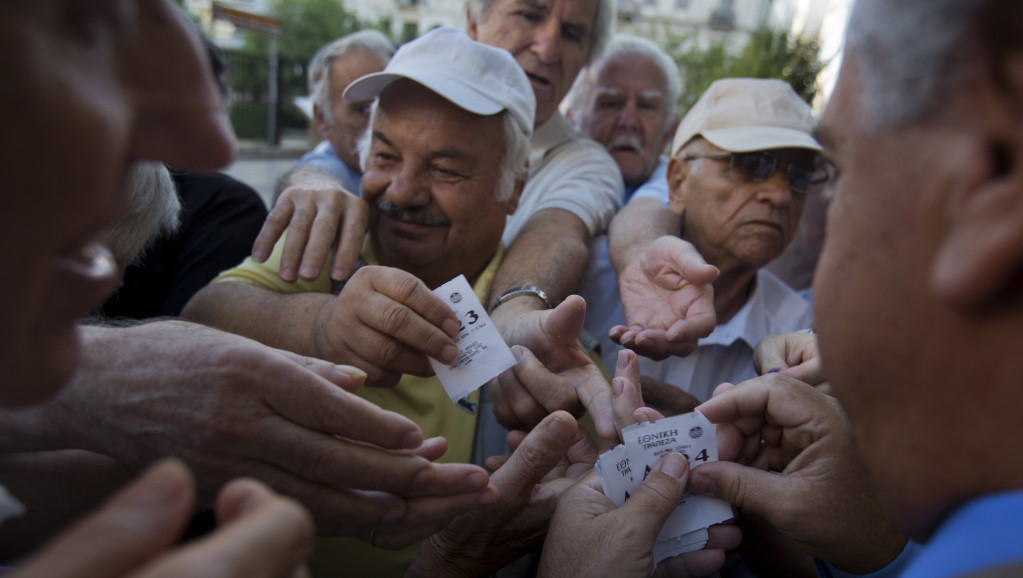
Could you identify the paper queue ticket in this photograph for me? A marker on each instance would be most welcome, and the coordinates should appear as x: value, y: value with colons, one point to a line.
x: 622, y: 470
x: 482, y: 352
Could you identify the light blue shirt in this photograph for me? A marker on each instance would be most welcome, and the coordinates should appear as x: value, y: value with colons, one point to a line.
x: 983, y: 533
x: 655, y: 187
x: 324, y: 157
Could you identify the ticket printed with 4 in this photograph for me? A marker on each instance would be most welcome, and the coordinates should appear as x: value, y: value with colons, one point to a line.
x: 482, y: 352
x: 623, y: 469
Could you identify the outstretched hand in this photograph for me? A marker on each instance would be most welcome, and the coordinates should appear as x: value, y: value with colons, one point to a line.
x: 545, y: 462
x: 668, y: 299
x: 241, y: 408
x: 554, y: 370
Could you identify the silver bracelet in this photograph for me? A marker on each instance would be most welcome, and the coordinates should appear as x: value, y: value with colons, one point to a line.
x: 518, y: 292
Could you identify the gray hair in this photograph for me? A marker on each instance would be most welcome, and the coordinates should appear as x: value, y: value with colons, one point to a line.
x: 628, y: 44
x: 603, y: 24
x: 909, y: 54
x: 154, y: 212
x: 372, y: 41
x: 514, y: 162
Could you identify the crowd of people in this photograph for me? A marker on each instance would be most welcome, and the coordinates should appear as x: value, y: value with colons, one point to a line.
x: 277, y: 414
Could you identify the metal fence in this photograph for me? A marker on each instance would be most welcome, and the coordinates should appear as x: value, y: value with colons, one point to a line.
x: 251, y: 96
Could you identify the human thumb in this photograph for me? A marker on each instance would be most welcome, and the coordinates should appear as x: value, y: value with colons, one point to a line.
x: 657, y: 497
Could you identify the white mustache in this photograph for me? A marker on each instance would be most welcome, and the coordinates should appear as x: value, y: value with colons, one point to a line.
x: 629, y: 141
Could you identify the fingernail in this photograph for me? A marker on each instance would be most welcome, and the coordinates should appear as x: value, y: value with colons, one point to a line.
x: 339, y: 274
x: 518, y: 351
x: 309, y: 272
x: 288, y: 274
x: 775, y: 370
x: 674, y: 465
x: 352, y: 372
x: 259, y: 256
x: 617, y: 387
x: 560, y: 430
x: 449, y: 354
x: 641, y: 417
x: 450, y: 327
x: 701, y: 484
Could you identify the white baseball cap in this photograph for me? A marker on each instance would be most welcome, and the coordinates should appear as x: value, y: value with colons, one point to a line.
x: 749, y: 114
x: 479, y: 78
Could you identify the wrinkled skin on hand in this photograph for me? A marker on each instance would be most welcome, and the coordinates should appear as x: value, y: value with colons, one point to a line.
x: 545, y: 462
x: 668, y: 299
x: 322, y: 219
x: 555, y: 373
x: 823, y: 500
x: 386, y: 322
x: 241, y: 408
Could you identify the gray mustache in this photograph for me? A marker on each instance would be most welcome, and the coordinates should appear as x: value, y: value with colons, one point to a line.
x: 626, y: 142
x: 417, y: 215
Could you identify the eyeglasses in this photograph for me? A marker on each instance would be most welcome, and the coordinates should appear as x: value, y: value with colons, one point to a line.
x: 759, y: 166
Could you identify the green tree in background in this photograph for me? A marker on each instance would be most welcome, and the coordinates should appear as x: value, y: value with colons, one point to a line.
x: 768, y: 54
x: 306, y: 25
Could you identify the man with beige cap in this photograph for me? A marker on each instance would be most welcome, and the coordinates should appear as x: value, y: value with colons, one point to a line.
x: 742, y: 162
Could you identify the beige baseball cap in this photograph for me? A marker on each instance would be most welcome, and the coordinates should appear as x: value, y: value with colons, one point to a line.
x: 749, y: 114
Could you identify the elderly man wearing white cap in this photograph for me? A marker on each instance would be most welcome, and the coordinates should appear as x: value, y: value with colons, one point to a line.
x: 444, y: 162
x: 743, y: 161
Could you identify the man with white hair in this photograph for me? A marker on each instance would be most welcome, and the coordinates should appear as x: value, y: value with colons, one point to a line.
x: 445, y: 163
x: 341, y: 122
x: 330, y: 173
x: 625, y: 100
x: 919, y: 318
x: 574, y: 187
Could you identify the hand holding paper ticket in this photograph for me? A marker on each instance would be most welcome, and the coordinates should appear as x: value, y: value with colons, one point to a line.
x: 589, y: 536
x: 622, y: 470
x: 482, y: 353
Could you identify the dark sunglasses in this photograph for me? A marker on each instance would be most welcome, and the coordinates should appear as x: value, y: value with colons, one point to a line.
x: 759, y: 166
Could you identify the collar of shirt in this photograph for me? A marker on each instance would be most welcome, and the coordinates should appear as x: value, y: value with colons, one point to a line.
x: 772, y: 308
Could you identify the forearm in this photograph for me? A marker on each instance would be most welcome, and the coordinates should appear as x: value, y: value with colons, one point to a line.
x: 636, y: 225
x: 284, y: 321
x: 551, y: 252
x: 56, y: 488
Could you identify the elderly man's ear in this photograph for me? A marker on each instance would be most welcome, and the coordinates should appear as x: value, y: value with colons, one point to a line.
x: 513, y: 200
x: 979, y: 264
x: 678, y: 172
